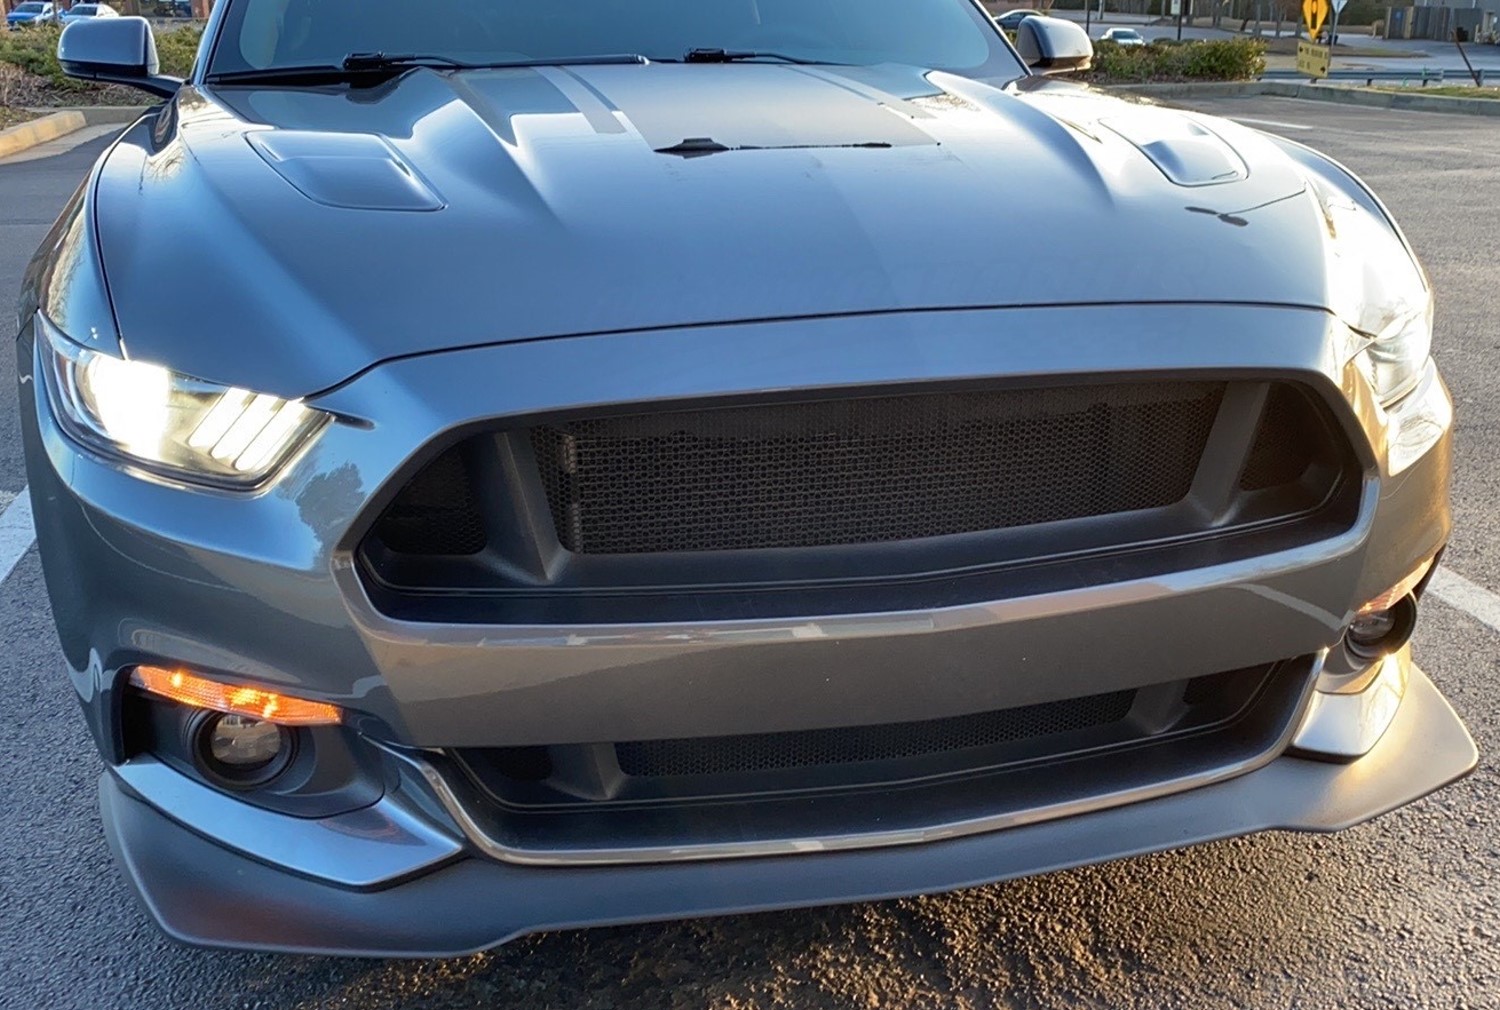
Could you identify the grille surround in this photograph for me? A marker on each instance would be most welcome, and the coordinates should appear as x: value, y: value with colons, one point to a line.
x: 870, y: 469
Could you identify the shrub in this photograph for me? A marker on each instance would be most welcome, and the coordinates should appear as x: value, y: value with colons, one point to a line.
x: 1189, y: 60
x: 34, y: 50
x: 177, y: 47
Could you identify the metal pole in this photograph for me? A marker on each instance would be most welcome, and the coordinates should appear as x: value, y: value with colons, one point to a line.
x: 1459, y: 34
x: 1181, y: 6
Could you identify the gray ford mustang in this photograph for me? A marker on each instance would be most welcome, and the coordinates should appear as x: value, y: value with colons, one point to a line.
x: 504, y: 465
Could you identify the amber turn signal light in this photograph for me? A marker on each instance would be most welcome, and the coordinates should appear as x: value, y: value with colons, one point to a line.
x: 236, y: 699
x: 1398, y: 592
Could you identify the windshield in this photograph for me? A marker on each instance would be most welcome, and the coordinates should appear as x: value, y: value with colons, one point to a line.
x: 83, y: 10
x: 947, y: 34
x: 31, y: 8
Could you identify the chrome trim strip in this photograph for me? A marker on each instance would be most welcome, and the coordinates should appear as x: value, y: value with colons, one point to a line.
x: 371, y: 847
x: 1348, y: 726
x: 495, y: 848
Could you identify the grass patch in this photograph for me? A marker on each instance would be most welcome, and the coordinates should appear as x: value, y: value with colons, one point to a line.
x: 1445, y: 90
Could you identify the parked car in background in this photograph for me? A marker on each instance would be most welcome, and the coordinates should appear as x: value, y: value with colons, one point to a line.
x: 1123, y: 37
x: 79, y: 12
x: 606, y: 466
x: 1011, y: 20
x: 33, y: 12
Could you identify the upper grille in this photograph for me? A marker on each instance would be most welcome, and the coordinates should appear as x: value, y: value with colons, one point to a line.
x: 436, y: 513
x: 870, y: 470
x: 1291, y: 433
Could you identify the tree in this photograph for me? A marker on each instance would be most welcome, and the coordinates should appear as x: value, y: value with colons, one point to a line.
x: 1287, y: 10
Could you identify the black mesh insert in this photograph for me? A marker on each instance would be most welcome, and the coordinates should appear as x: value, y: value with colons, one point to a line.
x: 1288, y: 441
x: 436, y: 513
x: 870, y: 470
x: 774, y: 751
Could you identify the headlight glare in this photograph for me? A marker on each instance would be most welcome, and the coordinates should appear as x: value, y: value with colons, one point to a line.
x: 170, y: 423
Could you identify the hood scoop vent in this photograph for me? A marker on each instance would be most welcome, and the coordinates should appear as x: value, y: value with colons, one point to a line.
x: 356, y: 171
x: 1186, y: 152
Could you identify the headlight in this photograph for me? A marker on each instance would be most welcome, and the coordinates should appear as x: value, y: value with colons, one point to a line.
x: 170, y: 423
x: 1379, y: 291
x: 1394, y: 358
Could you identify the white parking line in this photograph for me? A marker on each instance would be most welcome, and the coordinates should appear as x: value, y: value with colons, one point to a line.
x: 16, y: 532
x: 1470, y: 597
x: 1274, y: 124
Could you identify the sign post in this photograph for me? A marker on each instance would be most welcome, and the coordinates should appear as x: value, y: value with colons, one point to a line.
x: 1333, y: 29
x: 1313, y: 59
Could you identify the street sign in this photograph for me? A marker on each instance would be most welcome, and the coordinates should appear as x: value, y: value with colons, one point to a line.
x: 1312, y: 60
x: 1315, y: 12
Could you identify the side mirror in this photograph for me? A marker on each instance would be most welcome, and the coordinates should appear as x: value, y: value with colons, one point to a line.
x: 116, y: 51
x: 1053, y: 45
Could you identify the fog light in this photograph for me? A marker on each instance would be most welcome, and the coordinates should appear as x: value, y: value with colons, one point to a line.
x: 1376, y: 634
x: 241, y: 742
x: 240, y: 751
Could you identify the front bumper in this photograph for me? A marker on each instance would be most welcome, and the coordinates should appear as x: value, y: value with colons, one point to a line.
x: 204, y: 894
x: 265, y: 588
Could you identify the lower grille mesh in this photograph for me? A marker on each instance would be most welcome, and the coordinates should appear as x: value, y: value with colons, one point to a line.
x: 776, y: 751
x: 869, y: 470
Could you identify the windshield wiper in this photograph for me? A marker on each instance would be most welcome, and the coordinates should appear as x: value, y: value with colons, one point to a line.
x: 357, y: 66
x: 731, y: 56
x: 400, y: 61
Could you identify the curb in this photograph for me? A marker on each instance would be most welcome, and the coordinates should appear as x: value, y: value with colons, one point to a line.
x: 1182, y: 89
x: 38, y: 131
x: 100, y: 115
x: 1316, y: 93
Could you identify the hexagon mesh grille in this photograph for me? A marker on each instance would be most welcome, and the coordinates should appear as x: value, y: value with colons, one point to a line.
x: 1290, y: 435
x: 871, y: 469
x: 436, y: 513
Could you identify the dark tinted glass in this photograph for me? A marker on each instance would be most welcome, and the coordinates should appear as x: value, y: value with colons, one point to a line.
x: 949, y: 34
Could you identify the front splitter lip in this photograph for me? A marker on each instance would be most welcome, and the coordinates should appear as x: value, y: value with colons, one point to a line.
x: 204, y: 894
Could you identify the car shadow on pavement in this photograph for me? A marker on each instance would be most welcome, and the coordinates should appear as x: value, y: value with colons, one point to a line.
x: 1266, y: 909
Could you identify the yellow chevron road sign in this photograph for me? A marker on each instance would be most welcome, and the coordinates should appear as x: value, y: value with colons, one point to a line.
x: 1315, y: 12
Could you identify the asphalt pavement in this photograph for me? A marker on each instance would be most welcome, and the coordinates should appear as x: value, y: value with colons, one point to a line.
x: 1402, y: 912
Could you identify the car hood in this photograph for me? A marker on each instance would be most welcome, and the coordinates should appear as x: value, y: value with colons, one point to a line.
x: 286, y: 239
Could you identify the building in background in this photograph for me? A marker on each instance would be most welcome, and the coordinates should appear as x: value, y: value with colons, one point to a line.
x: 1478, y: 19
